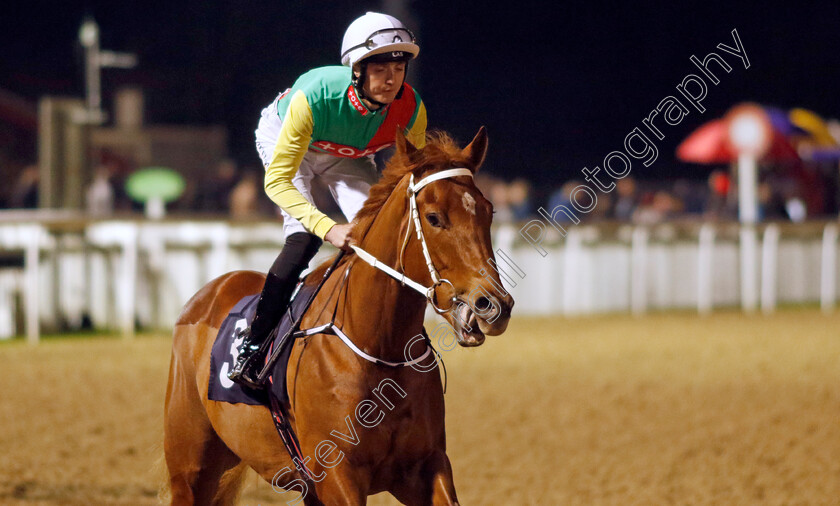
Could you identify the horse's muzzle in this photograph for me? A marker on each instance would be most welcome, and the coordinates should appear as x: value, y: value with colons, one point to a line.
x: 486, y: 315
x: 493, y: 313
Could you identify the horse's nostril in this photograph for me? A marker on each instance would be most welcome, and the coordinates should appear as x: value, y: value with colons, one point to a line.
x: 483, y: 304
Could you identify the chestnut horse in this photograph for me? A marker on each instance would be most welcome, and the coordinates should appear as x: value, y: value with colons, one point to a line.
x: 364, y: 427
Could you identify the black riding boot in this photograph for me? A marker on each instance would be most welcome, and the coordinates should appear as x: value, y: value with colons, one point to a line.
x: 277, y: 290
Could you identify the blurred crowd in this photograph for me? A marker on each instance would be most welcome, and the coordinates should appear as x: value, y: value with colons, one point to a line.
x: 227, y: 190
x: 236, y: 192
x: 781, y: 197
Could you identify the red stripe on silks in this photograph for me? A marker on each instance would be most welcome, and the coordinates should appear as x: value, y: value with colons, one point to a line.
x: 399, y: 114
x: 354, y: 100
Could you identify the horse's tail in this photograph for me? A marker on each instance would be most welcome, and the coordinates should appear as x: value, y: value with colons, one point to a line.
x: 161, y: 474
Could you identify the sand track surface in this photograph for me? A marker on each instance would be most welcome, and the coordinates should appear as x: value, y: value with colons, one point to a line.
x: 666, y: 409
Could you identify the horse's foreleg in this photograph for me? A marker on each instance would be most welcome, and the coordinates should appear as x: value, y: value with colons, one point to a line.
x: 343, y: 486
x: 429, y: 482
x: 437, y: 474
x: 348, y: 489
x: 443, y: 485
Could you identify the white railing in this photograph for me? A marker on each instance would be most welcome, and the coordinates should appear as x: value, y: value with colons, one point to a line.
x: 619, y: 267
x: 123, y: 272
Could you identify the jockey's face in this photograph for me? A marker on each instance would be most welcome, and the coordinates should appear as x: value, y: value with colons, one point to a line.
x: 383, y: 80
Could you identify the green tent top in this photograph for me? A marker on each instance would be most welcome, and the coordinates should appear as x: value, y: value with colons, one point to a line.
x: 155, y: 182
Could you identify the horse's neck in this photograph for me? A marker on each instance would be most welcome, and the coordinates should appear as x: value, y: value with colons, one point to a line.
x: 382, y: 314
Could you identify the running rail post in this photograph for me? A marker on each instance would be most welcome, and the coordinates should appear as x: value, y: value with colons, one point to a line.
x: 127, y: 285
x: 705, y: 251
x: 828, y: 273
x: 638, y: 270
x: 32, y: 270
x: 572, y: 253
x: 769, y: 269
x: 749, y: 269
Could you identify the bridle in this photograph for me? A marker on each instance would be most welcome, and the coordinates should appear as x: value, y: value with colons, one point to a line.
x: 413, y: 190
x: 427, y: 292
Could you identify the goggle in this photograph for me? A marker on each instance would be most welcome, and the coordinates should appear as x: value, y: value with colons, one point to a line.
x: 379, y: 39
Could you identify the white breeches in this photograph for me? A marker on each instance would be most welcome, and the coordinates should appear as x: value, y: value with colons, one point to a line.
x: 347, y: 180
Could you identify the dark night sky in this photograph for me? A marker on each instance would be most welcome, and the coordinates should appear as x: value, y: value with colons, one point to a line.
x: 557, y: 84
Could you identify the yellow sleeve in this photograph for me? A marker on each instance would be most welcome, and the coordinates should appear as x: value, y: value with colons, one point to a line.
x: 417, y: 133
x: 295, y: 136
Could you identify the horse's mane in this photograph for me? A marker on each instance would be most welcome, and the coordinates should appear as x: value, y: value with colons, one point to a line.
x: 440, y: 151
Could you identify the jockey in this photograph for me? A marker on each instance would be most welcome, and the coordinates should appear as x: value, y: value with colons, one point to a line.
x: 329, y: 125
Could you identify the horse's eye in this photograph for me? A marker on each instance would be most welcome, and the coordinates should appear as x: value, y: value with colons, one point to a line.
x: 433, y: 219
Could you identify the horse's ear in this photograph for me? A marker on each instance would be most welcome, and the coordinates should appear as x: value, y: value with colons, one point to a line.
x: 404, y: 147
x: 475, y: 151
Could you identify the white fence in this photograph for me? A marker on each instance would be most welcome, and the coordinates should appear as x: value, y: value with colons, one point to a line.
x: 120, y: 274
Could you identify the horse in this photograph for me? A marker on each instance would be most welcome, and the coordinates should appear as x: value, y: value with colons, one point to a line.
x: 364, y: 426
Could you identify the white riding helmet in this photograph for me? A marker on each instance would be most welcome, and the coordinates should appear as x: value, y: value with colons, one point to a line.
x: 373, y: 34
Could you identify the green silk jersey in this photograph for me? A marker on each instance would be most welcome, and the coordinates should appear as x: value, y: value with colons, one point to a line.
x: 342, y: 125
x: 322, y: 112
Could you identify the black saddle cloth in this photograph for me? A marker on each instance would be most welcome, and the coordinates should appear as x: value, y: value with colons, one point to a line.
x: 226, y: 349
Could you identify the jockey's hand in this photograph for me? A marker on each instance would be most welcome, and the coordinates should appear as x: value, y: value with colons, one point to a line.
x: 339, y: 236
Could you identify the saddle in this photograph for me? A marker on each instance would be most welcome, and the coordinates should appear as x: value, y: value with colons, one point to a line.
x: 228, y: 341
